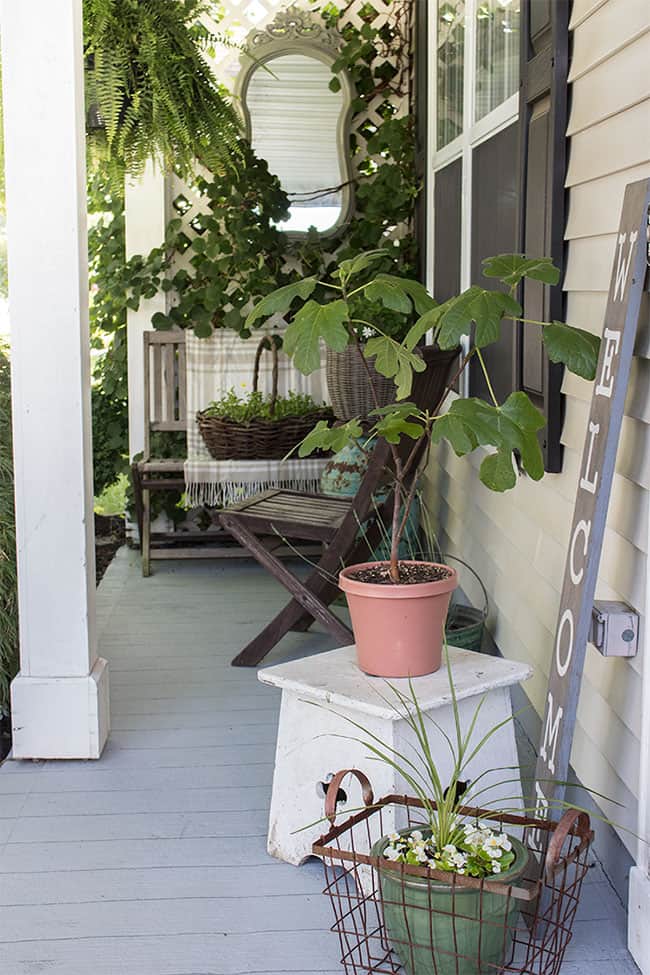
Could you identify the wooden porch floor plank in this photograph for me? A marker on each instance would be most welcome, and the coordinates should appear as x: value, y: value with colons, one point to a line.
x: 153, y: 860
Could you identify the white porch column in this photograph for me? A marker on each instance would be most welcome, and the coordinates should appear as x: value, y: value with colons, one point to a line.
x: 60, y: 697
x: 146, y: 220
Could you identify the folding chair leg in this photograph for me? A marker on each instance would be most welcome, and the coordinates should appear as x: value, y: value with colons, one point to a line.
x: 305, y: 600
x: 145, y: 537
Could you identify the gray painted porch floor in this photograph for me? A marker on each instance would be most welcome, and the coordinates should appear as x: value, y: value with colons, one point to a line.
x: 152, y: 861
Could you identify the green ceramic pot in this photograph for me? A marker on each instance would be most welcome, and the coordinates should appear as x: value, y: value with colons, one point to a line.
x: 449, y: 931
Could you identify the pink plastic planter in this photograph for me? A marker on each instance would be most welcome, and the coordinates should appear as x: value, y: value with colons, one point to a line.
x: 398, y: 629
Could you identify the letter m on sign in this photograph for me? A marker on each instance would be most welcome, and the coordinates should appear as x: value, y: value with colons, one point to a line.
x: 567, y: 654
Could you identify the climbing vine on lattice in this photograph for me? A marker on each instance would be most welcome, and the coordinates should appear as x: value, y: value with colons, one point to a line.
x: 211, y: 275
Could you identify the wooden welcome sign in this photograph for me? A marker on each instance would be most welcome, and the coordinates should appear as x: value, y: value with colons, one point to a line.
x: 592, y: 500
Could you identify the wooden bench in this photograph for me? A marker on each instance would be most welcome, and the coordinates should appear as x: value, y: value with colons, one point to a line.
x: 165, y: 411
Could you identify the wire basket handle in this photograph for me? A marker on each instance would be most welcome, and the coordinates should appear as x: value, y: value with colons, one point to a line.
x: 573, y: 821
x: 268, y: 342
x: 335, y: 785
x: 486, y: 606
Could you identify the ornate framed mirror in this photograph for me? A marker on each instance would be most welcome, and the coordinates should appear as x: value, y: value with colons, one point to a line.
x: 296, y: 122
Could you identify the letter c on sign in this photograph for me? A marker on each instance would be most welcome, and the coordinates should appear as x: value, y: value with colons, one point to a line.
x: 563, y: 665
x: 583, y: 527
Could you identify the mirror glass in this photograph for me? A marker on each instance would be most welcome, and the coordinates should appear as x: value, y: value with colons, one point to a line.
x: 294, y: 124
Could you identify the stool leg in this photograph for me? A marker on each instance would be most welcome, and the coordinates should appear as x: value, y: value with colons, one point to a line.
x: 146, y: 532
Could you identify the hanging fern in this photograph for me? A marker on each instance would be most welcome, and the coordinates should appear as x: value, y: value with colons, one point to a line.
x: 150, y: 88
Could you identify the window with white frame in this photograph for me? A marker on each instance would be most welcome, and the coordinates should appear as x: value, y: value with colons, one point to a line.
x: 498, y: 93
x: 475, y: 76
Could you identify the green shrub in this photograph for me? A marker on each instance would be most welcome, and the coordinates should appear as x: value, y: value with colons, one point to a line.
x: 8, y: 579
x: 256, y: 406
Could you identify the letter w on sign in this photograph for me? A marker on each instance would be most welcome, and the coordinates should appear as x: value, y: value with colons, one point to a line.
x: 592, y: 499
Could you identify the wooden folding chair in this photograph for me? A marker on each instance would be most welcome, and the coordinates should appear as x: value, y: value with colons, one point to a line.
x: 292, y: 515
x: 349, y: 529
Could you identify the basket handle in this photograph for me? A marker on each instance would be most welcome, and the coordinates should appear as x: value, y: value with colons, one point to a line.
x: 572, y: 821
x: 267, y: 343
x: 448, y: 555
x: 335, y: 785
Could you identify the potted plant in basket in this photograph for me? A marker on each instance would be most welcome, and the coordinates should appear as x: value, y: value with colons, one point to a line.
x: 258, y: 427
x: 398, y: 608
x: 450, y: 886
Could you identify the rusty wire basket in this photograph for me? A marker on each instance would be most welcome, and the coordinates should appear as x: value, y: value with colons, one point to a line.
x: 393, y: 918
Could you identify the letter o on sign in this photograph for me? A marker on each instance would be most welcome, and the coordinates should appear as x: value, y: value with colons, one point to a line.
x: 566, y: 623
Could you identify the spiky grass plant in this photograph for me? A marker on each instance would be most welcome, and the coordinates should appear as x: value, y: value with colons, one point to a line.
x: 448, y: 829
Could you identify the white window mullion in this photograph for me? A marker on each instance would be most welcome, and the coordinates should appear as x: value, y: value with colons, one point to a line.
x: 469, y: 74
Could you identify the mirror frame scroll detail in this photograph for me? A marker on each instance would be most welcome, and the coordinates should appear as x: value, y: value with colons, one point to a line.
x: 296, y: 31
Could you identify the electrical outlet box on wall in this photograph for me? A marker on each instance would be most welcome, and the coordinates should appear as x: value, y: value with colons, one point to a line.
x: 614, y: 629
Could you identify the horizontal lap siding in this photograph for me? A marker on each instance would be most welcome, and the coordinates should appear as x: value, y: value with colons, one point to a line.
x: 517, y: 542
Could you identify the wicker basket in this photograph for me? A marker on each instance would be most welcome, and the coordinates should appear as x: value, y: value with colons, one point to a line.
x: 258, y: 439
x: 349, y: 384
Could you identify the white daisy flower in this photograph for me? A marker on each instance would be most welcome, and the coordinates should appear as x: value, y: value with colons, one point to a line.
x: 391, y: 853
x: 416, y: 835
x: 394, y: 837
x: 367, y: 332
x: 496, y: 867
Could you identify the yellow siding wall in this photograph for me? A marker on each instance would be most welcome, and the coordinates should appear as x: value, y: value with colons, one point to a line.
x: 517, y: 542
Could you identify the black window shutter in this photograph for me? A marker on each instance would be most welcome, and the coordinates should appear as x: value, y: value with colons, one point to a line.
x: 542, y: 129
x: 420, y: 109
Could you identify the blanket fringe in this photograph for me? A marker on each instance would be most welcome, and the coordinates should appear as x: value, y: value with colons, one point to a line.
x: 224, y: 493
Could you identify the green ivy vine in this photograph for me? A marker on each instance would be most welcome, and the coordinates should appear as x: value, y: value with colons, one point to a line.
x: 233, y: 254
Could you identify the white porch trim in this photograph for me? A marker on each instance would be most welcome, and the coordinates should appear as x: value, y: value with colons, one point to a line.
x: 60, y: 698
x: 146, y: 221
x: 639, y: 891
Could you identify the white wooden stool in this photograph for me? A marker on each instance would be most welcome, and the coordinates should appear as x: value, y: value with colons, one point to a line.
x: 315, y: 740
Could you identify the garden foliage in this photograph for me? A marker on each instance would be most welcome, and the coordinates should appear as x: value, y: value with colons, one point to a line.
x: 150, y: 90
x: 8, y: 578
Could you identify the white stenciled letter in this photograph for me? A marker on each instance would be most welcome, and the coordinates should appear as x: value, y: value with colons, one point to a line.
x: 623, y: 265
x: 582, y: 528
x: 541, y: 812
x: 562, y: 662
x: 551, y: 729
x: 587, y: 482
x: 611, y: 340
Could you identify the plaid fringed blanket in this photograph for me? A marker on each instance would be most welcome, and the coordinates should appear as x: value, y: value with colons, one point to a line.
x: 215, y: 365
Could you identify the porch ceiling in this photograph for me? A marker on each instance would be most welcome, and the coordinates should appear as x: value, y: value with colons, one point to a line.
x: 152, y: 861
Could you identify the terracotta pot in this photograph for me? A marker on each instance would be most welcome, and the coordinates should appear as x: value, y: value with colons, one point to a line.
x: 398, y: 629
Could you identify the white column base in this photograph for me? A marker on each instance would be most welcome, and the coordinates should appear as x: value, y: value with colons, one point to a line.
x: 61, y: 717
x: 638, y: 929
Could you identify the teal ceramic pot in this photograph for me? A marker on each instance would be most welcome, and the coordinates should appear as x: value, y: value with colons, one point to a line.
x: 341, y: 477
x: 449, y: 931
x: 342, y: 474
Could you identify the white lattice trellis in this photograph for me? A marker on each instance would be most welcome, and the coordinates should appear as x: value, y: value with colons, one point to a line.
x: 240, y: 17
